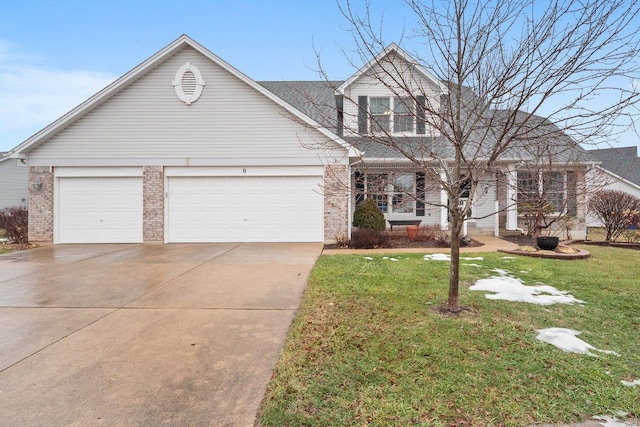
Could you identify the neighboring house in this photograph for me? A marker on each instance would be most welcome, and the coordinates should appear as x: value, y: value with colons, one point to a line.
x: 185, y: 148
x: 13, y: 182
x: 619, y: 170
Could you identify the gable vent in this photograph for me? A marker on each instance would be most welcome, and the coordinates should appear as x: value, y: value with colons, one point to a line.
x: 188, y: 83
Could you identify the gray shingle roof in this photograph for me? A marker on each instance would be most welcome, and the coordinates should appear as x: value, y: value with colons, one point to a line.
x: 622, y: 161
x: 317, y: 100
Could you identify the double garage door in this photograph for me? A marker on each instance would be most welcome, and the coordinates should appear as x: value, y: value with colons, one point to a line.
x: 265, y: 208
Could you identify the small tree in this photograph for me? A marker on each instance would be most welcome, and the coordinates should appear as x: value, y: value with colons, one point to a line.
x: 14, y: 220
x: 368, y: 215
x: 610, y: 207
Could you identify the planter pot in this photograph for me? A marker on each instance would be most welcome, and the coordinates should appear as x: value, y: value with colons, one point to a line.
x: 547, y: 243
x: 412, y: 232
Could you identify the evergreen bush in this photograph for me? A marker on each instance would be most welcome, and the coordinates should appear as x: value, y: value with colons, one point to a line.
x: 367, y: 215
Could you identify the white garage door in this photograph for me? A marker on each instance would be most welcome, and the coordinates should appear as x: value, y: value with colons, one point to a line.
x: 245, y: 209
x: 100, y: 210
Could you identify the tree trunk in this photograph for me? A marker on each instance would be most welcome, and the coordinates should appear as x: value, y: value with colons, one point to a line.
x: 454, y: 267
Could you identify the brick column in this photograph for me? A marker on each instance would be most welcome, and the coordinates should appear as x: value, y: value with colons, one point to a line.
x: 153, y: 204
x: 336, y: 201
x: 40, y: 204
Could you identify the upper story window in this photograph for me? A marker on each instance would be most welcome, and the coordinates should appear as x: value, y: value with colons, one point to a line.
x: 391, y: 115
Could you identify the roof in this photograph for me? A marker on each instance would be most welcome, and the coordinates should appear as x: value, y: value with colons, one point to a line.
x: 622, y: 161
x: 137, y: 72
x: 316, y: 99
x: 558, y: 147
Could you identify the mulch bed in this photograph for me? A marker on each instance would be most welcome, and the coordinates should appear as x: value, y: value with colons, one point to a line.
x: 16, y: 246
x: 399, y: 240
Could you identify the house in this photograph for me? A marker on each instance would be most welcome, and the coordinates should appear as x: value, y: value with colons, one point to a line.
x: 185, y: 148
x: 619, y: 170
x: 13, y: 182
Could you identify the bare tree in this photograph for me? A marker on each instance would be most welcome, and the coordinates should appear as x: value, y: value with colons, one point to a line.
x: 514, y: 81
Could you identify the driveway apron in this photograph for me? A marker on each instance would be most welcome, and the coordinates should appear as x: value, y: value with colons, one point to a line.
x: 180, y: 334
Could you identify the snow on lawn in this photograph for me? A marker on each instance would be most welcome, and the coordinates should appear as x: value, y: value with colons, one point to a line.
x: 512, y: 289
x: 611, y: 422
x: 437, y: 257
x: 631, y: 383
x: 447, y: 257
x: 567, y: 340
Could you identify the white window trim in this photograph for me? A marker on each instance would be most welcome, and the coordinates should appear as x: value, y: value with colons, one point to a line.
x: 392, y: 100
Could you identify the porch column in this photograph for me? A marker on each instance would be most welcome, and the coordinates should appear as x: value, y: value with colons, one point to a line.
x: 444, y: 214
x: 512, y: 194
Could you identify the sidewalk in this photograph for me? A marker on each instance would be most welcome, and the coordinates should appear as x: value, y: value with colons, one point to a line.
x: 489, y: 244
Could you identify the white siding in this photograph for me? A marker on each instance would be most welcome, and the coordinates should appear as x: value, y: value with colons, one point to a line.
x: 14, y: 179
x: 369, y: 84
x: 485, y: 203
x: 146, y: 120
x: 597, y: 179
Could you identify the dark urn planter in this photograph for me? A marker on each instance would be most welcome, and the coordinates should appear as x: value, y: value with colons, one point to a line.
x: 547, y: 243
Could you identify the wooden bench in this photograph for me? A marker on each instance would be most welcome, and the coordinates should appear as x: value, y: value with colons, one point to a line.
x: 403, y: 222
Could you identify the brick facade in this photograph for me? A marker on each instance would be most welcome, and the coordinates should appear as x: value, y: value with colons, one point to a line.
x: 336, y: 201
x: 153, y: 204
x: 40, y: 204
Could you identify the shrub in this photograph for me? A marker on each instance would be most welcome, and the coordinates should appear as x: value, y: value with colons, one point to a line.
x: 609, y: 206
x: 367, y: 215
x: 14, y: 221
x: 367, y: 238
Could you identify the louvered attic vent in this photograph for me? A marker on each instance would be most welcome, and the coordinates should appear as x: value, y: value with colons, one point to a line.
x: 188, y: 83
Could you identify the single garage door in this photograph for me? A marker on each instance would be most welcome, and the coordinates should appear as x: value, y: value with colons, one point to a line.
x: 245, y: 209
x: 100, y: 210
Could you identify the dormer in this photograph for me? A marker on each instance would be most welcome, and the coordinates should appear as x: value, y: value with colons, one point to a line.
x: 391, y: 94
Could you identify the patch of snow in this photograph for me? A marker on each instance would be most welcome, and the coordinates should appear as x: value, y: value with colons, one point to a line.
x: 512, y: 289
x: 468, y: 258
x: 500, y: 271
x: 631, y: 383
x: 473, y: 265
x: 567, y: 340
x: 368, y: 258
x: 392, y: 259
x: 611, y: 421
x: 385, y: 257
x: 437, y: 257
x: 508, y: 257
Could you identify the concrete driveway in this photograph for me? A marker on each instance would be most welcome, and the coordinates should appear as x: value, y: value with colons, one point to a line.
x: 144, y: 334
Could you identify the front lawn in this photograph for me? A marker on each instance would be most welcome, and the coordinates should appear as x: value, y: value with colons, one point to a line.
x: 368, y: 348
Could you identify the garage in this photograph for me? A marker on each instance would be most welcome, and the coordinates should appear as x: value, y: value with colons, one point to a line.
x: 255, y: 205
x: 99, y: 205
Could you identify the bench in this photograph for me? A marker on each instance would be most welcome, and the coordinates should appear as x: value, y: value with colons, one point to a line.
x: 403, y: 222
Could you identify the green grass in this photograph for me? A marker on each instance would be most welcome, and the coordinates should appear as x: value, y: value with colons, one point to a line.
x: 368, y: 348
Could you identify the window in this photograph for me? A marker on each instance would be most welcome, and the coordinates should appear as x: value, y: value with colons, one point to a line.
x: 402, y: 115
x: 402, y: 194
x: 376, y: 188
x: 547, y: 186
x: 380, y: 115
x: 553, y: 189
x: 391, y: 114
x: 393, y: 193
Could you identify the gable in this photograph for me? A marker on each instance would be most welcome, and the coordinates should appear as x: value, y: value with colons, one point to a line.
x: 145, y: 121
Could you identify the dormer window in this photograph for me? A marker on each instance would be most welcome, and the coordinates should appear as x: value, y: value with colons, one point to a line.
x: 379, y: 115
